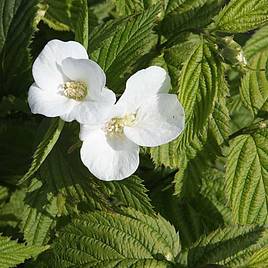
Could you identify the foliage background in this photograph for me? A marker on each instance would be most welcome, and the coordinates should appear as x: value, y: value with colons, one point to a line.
x: 199, y: 201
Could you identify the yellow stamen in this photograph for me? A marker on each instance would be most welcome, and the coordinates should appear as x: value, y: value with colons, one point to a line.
x: 76, y: 90
x: 116, y: 125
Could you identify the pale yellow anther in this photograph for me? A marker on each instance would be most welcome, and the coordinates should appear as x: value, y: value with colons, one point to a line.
x: 116, y: 125
x: 76, y: 90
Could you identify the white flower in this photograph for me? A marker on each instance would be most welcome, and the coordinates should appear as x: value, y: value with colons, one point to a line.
x: 68, y: 84
x: 145, y: 115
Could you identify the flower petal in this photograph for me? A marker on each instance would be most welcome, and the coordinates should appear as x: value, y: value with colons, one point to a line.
x: 87, y: 71
x: 144, y: 83
x: 104, y: 161
x: 48, y: 103
x: 159, y: 120
x: 47, y: 66
x: 92, y: 111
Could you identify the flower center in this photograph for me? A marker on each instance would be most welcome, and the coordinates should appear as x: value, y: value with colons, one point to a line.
x: 116, y: 125
x: 76, y: 90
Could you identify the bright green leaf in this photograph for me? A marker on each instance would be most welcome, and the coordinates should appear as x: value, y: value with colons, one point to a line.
x: 242, y: 16
x: 13, y: 253
x: 258, y: 260
x: 198, y: 86
x: 247, y: 177
x: 220, y: 122
x: 257, y: 43
x: 254, y: 82
x: 188, y: 15
x: 118, y: 54
x: 112, y: 240
x: 228, y: 246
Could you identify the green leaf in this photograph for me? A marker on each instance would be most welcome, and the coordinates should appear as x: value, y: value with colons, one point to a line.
x: 3, y: 193
x: 220, y: 123
x: 254, y: 82
x: 212, y: 188
x: 69, y: 177
x: 103, y: 239
x: 257, y: 43
x: 101, y: 9
x: 258, y: 259
x: 44, y: 147
x: 68, y: 15
x: 119, y: 53
x: 8, y: 9
x: 128, y: 7
x: 247, y: 177
x: 129, y: 193
x: 182, y: 5
x: 81, y: 27
x: 11, y: 212
x: 166, y: 155
x: 189, y: 175
x: 229, y: 246
x: 240, y: 116
x: 64, y: 175
x: 39, y: 214
x: 18, y: 17
x: 13, y: 253
x: 98, y: 36
x: 242, y: 16
x: 198, y: 86
x: 189, y: 15
x: 195, y: 214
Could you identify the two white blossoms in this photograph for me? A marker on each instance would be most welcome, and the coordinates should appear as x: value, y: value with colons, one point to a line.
x: 70, y: 85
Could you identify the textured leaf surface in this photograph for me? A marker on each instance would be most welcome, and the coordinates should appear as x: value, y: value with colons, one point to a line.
x: 220, y: 122
x: 44, y: 147
x: 39, y: 214
x: 11, y: 212
x: 8, y: 10
x: 129, y: 193
x: 187, y: 15
x: 183, y: 5
x: 257, y: 43
x: 66, y: 179
x: 229, y: 246
x: 198, y: 86
x: 259, y: 259
x: 3, y: 193
x: 67, y: 15
x: 118, y: 53
x: 247, y: 177
x: 16, y: 17
x: 254, y: 83
x: 112, y: 240
x: 13, y: 253
x: 242, y: 16
x: 200, y: 80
